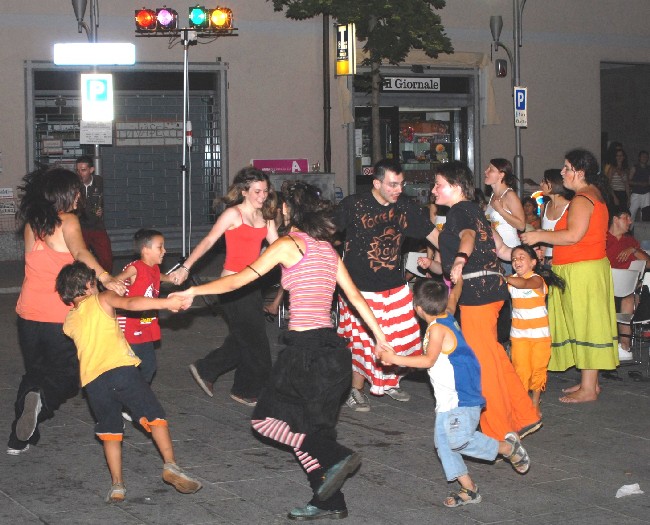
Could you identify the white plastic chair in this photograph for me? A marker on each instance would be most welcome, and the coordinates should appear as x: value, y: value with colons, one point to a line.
x: 638, y: 265
x: 625, y: 283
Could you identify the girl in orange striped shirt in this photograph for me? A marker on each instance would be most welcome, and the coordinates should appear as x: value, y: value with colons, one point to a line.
x: 530, y: 335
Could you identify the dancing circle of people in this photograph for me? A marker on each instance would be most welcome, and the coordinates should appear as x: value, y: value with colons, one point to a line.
x: 72, y: 334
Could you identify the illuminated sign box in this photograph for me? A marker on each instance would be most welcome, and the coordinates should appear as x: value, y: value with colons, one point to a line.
x: 97, y: 97
x: 94, y: 54
x: 346, y: 50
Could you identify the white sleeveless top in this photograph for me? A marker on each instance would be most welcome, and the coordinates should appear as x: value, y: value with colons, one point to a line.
x: 549, y: 226
x: 508, y: 233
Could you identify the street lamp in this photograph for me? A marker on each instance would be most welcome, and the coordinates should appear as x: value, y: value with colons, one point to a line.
x: 496, y: 24
x: 79, y: 7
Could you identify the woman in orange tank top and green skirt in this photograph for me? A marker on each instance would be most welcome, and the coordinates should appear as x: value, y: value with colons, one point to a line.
x: 579, y: 258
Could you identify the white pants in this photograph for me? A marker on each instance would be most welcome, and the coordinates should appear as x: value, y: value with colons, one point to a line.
x: 638, y: 201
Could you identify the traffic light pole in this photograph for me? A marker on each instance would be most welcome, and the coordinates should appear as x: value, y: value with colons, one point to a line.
x: 188, y: 39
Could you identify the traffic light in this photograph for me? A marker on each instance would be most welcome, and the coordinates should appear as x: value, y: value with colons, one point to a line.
x: 199, y: 17
x: 221, y: 18
x: 166, y: 19
x: 210, y: 19
x: 145, y: 20
x: 163, y: 21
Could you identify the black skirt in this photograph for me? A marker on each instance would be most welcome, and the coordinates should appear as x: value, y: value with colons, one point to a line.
x: 309, y: 381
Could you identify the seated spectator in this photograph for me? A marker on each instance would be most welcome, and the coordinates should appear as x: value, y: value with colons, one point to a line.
x: 530, y: 211
x: 622, y: 249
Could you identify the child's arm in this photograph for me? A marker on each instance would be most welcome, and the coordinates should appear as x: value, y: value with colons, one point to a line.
x: 164, y: 278
x: 437, y: 335
x: 128, y: 275
x: 110, y: 301
x: 534, y: 282
x: 454, y: 296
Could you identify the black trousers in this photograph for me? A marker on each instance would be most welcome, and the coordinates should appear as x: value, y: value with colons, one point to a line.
x: 51, y: 368
x: 246, y: 348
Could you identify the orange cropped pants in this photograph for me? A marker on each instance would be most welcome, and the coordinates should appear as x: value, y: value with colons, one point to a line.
x: 508, y: 407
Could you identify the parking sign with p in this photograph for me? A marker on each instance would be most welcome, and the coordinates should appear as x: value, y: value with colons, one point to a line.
x: 521, y: 106
x: 97, y: 97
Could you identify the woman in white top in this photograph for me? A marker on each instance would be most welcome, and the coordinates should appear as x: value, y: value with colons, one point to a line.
x: 617, y: 170
x: 559, y: 200
x: 504, y: 209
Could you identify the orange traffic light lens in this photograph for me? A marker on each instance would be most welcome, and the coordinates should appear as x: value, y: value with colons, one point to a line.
x: 221, y: 18
x: 145, y: 20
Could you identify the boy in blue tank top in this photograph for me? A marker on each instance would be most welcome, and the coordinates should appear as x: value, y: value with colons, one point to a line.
x: 455, y: 375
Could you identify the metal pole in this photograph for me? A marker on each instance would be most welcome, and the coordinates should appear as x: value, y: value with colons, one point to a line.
x: 327, y: 139
x: 92, y: 37
x: 516, y: 34
x: 184, y: 139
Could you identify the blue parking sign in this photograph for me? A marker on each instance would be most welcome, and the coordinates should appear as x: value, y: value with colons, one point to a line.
x: 520, y: 96
x: 520, y: 99
x: 97, y: 97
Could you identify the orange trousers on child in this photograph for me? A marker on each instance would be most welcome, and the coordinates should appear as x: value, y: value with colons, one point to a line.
x: 530, y: 358
x: 508, y: 407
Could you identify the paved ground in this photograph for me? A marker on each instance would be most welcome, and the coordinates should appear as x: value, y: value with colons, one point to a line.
x: 583, y: 454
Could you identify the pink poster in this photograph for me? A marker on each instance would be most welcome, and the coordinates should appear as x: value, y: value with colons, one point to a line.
x: 281, y: 165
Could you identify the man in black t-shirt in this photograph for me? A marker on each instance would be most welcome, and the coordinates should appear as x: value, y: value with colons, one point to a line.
x: 376, y: 224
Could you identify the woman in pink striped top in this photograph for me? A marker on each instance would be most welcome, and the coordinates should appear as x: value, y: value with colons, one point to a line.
x: 299, y: 405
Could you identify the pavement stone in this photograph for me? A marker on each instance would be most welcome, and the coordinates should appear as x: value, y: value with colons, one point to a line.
x: 580, y: 457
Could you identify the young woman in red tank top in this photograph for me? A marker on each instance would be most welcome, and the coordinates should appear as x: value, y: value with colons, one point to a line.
x: 246, y: 223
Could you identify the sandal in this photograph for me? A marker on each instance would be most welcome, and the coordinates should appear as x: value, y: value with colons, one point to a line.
x: 455, y: 500
x: 117, y: 493
x: 518, y: 457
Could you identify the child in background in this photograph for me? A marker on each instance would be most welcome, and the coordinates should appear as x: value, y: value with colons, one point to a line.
x: 530, y: 335
x: 533, y: 222
x: 142, y: 279
x: 455, y: 375
x: 108, y: 372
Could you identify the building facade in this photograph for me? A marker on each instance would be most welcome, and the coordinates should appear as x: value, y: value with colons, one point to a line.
x: 259, y: 95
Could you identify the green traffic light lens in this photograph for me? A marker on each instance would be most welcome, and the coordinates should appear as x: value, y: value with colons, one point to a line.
x: 198, y: 16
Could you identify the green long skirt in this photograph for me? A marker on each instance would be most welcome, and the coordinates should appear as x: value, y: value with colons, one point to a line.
x: 583, y: 318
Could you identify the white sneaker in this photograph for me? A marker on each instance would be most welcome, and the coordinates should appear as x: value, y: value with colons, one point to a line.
x: 126, y: 416
x: 623, y: 354
x: 26, y: 424
x: 358, y: 401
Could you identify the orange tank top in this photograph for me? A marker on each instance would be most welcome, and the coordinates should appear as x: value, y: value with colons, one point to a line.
x: 592, y: 246
x: 243, y: 245
x: 38, y: 299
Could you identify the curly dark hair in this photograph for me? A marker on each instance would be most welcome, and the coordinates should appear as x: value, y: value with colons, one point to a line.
x: 44, y: 194
x: 308, y: 212
x: 73, y: 280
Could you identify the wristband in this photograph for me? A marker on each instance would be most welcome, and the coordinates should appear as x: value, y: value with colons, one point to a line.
x: 185, y: 268
x: 463, y: 255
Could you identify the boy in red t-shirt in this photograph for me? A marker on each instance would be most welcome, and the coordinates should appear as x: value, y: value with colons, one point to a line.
x: 142, y: 278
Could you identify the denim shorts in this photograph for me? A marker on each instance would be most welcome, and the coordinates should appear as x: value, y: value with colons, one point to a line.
x: 122, y: 388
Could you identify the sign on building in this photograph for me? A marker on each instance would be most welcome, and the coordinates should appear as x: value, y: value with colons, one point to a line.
x: 346, y: 50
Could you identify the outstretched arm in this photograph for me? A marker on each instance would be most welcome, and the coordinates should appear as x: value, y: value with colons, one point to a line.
x: 357, y: 300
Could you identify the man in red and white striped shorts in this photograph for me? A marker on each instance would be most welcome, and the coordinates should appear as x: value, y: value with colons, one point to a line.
x: 376, y: 224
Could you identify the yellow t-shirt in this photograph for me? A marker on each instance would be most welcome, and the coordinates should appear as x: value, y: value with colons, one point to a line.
x: 100, y: 342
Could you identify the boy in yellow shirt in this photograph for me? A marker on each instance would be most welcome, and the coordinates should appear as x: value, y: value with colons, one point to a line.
x: 109, y: 372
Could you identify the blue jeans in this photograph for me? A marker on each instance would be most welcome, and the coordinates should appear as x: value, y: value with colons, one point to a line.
x: 455, y: 436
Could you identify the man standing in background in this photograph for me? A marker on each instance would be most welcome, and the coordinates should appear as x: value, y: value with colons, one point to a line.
x: 91, y: 215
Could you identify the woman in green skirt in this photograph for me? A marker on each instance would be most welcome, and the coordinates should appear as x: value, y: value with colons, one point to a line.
x: 583, y: 317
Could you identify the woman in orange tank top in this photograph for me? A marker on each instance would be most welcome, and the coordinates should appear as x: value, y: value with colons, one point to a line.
x: 579, y: 258
x: 53, y: 239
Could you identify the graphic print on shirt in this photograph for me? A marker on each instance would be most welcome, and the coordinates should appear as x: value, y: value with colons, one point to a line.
x: 384, y: 250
